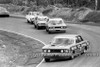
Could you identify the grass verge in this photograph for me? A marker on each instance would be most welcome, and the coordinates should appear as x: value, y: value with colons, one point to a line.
x: 19, y: 51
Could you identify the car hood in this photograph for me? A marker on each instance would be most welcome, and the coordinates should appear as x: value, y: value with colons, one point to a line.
x: 57, y: 25
x: 57, y: 47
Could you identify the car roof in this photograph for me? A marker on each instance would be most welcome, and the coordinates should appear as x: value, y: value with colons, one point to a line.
x: 71, y: 36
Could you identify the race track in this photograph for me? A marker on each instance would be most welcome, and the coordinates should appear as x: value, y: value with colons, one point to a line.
x: 90, y: 59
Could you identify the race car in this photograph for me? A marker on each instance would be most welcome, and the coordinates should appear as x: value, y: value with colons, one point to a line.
x: 4, y: 12
x: 41, y: 22
x: 55, y: 24
x: 66, y: 46
x: 31, y: 16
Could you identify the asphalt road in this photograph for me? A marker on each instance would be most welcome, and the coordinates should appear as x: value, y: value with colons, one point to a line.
x: 91, y: 59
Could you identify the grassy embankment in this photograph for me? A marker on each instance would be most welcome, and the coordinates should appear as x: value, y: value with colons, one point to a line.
x: 17, y: 50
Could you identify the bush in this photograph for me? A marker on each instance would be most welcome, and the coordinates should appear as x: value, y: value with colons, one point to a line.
x: 46, y: 11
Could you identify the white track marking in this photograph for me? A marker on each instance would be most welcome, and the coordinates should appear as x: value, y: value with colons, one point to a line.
x: 40, y: 63
x: 23, y: 35
x: 26, y: 36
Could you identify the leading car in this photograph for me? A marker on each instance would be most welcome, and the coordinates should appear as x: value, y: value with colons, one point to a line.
x: 65, y: 46
x: 31, y: 16
x: 4, y: 12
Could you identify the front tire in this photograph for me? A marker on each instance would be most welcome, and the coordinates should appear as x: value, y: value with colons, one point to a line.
x: 47, y: 30
x: 37, y: 27
x: 28, y: 21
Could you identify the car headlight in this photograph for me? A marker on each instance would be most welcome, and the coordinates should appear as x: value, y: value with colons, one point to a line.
x: 73, y: 48
x: 45, y: 51
x: 62, y: 51
x: 66, y: 51
x: 50, y: 27
x: 49, y: 51
x: 65, y: 27
x: 62, y: 27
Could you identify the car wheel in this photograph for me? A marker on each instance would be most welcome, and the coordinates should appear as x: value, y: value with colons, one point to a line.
x: 37, y: 27
x: 48, y: 30
x: 28, y: 21
x: 33, y: 22
x: 47, y: 59
x: 34, y: 26
x: 64, y: 31
x: 85, y: 49
x: 72, y: 56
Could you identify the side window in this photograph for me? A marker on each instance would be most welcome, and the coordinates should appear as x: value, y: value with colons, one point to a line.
x: 79, y: 39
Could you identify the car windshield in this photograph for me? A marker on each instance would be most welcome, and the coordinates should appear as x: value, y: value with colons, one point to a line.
x: 55, y: 22
x: 62, y: 41
x: 42, y: 19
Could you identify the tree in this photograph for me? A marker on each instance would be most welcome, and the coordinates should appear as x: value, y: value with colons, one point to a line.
x: 97, y: 4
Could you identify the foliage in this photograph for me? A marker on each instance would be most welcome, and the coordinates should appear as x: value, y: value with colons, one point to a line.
x: 49, y: 2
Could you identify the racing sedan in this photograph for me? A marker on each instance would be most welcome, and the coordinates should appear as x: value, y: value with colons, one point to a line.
x: 31, y: 16
x: 55, y: 24
x: 65, y: 46
x: 4, y: 12
x: 41, y: 21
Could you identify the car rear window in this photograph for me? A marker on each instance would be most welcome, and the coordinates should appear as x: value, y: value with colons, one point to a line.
x: 62, y: 41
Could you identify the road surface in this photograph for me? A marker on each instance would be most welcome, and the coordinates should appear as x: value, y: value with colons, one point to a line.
x: 87, y: 60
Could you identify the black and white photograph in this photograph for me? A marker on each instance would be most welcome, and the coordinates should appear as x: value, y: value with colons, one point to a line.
x: 49, y: 33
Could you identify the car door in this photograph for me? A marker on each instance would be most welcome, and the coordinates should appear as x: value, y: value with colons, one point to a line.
x: 79, y: 41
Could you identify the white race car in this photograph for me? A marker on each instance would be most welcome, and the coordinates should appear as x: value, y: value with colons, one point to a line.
x: 41, y: 21
x: 65, y: 46
x: 4, y: 12
x: 55, y: 24
x: 31, y: 16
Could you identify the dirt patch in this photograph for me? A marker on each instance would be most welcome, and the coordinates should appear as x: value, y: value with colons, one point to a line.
x: 19, y: 51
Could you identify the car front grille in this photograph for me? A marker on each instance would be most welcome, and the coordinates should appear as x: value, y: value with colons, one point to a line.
x: 55, y: 51
x: 57, y: 27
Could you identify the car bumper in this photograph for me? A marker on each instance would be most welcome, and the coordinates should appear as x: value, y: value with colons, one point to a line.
x: 59, y: 29
x: 56, y: 55
x: 42, y: 25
